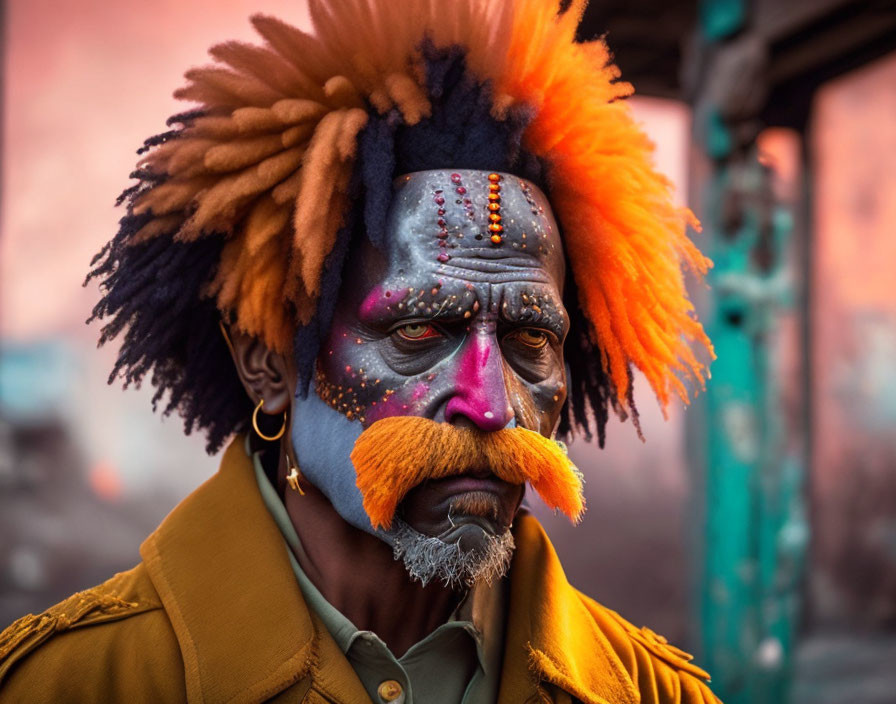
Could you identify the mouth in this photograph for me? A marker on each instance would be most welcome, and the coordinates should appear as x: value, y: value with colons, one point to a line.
x: 468, y: 496
x: 476, y: 499
x: 470, y: 483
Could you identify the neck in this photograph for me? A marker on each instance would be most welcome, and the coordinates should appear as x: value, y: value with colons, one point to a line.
x: 357, y: 573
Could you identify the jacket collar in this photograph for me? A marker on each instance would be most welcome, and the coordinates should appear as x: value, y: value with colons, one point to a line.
x: 552, y: 638
x: 220, y: 567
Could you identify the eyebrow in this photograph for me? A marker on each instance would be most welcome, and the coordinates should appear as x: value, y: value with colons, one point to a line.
x: 455, y: 304
x: 438, y: 305
x: 551, y: 316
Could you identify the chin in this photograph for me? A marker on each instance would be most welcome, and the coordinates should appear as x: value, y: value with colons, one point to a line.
x: 471, y: 549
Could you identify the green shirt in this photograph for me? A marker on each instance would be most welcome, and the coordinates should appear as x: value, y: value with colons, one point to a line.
x: 458, y: 663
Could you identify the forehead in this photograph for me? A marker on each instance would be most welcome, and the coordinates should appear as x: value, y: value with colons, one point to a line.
x: 474, y: 226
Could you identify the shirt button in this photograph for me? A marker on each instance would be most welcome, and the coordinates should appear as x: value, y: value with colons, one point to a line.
x: 389, y: 690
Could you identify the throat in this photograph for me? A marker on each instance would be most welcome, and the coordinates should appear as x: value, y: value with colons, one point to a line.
x: 358, y: 575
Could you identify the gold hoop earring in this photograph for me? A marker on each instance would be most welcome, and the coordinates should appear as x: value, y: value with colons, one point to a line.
x: 271, y: 438
x: 293, y: 476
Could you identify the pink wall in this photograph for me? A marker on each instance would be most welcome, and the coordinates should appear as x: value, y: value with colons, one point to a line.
x: 854, y: 347
x: 86, y: 82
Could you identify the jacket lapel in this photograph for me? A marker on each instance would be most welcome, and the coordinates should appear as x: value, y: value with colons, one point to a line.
x: 552, y: 639
x: 220, y: 566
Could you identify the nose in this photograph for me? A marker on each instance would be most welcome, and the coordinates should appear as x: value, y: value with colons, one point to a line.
x: 480, y: 395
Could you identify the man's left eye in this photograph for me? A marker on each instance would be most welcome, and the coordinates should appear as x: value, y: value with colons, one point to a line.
x: 417, y: 331
x: 532, y: 337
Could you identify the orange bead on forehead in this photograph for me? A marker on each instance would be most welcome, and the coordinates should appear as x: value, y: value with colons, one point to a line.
x: 494, y: 206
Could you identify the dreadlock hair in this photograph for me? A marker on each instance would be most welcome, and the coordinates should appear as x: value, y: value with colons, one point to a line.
x: 246, y: 209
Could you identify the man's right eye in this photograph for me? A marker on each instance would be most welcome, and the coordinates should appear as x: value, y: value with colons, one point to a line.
x: 417, y: 331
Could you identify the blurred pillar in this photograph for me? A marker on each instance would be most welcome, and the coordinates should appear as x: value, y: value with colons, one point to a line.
x: 755, y: 530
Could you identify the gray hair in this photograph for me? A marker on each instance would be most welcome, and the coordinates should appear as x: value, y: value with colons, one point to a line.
x: 427, y: 558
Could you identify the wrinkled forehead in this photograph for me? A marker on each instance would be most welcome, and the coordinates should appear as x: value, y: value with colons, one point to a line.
x: 473, y: 225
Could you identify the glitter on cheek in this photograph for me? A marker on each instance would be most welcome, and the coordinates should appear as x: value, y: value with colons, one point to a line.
x: 352, y: 391
x: 405, y: 399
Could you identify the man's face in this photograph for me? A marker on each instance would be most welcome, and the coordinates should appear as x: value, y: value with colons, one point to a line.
x: 454, y: 321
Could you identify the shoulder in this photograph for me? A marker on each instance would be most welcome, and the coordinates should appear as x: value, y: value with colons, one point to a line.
x: 661, y: 672
x: 112, y: 642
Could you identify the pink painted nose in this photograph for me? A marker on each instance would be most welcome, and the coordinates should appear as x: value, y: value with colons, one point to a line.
x: 479, y: 391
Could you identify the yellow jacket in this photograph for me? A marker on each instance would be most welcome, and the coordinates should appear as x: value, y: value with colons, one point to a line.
x: 214, y: 614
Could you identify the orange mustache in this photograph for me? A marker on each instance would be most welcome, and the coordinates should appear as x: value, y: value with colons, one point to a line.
x: 396, y: 454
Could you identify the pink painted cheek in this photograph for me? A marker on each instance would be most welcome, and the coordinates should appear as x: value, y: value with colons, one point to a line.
x: 413, y: 398
x: 397, y: 402
x: 420, y: 391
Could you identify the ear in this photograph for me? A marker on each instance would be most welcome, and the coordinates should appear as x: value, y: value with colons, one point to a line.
x: 265, y: 374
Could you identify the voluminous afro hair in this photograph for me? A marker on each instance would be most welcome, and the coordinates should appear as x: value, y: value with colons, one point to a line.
x: 244, y: 211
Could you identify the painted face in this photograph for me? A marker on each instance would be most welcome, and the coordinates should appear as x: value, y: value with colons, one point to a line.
x: 459, y: 320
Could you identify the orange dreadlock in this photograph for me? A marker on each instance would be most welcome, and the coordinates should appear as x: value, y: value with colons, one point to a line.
x: 268, y: 162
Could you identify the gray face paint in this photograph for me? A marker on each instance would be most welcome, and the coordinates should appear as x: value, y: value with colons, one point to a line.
x: 445, y: 323
x: 323, y: 440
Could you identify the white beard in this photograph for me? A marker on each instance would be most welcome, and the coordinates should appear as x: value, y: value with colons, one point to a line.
x: 427, y: 558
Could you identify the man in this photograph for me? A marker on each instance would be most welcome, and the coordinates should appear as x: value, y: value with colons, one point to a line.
x: 427, y: 239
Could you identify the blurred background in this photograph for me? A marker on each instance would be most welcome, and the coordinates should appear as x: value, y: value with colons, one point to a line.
x: 757, y: 528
